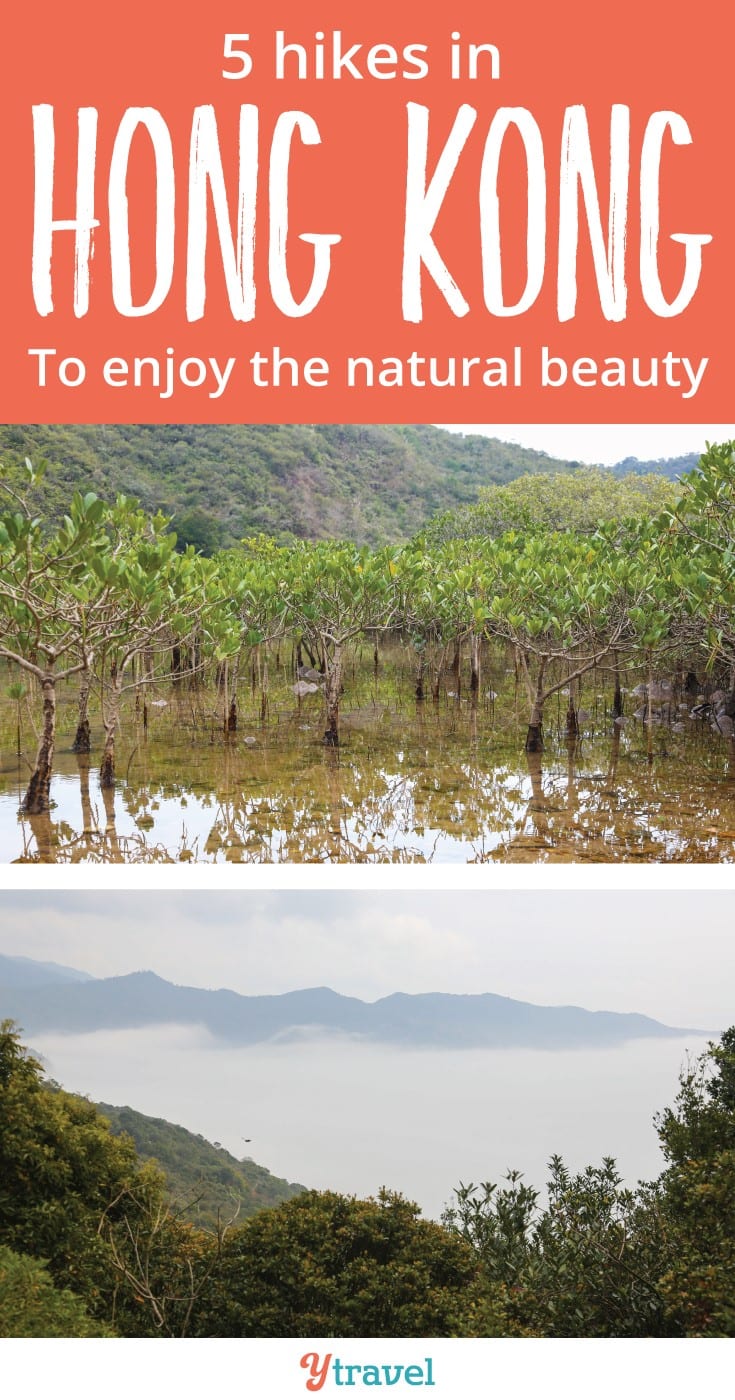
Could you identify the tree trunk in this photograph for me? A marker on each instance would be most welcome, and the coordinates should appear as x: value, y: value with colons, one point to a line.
x: 420, y: 669
x: 195, y: 665
x: 649, y: 712
x: 572, y: 722
x: 107, y: 767
x: 264, y: 689
x: 618, y: 696
x: 38, y: 793
x: 438, y: 673
x: 82, y: 738
x: 332, y: 691
x: 474, y: 668
x: 224, y: 687
x: 314, y: 659
x: 457, y: 668
x: 177, y: 663
x: 535, y: 735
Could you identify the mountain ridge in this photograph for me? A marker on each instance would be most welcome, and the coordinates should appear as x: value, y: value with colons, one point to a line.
x: 466, y: 1020
x: 21, y: 971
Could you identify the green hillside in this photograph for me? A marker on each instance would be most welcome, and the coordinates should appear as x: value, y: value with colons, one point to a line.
x: 203, y: 1178
x: 371, y: 483
x: 576, y: 501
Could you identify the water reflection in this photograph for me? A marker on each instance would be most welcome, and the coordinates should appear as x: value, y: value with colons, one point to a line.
x: 411, y: 783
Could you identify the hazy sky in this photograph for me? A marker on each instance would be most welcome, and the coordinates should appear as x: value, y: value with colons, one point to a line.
x: 671, y: 956
x: 603, y: 442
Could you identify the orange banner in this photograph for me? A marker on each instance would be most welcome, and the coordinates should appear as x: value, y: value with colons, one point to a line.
x: 374, y: 214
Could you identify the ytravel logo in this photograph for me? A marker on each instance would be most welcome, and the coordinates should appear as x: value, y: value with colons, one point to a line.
x: 328, y: 1368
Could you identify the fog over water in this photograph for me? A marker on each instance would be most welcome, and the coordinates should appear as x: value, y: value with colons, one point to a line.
x: 336, y: 1113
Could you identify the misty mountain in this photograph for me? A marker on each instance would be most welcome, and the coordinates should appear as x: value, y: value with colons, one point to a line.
x: 428, y: 1019
x: 27, y: 972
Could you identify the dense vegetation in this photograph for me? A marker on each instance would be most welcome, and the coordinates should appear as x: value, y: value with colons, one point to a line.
x: 105, y: 599
x: 551, y: 501
x: 372, y: 483
x: 92, y: 1244
x: 202, y: 1176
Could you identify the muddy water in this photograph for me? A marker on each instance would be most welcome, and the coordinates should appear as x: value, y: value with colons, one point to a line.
x: 410, y: 783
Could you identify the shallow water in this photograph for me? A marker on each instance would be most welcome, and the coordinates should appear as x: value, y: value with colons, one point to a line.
x: 410, y: 783
x: 348, y: 1117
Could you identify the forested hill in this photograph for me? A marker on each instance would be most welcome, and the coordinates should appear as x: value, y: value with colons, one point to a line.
x: 672, y: 467
x: 203, y: 1178
x: 375, y: 484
